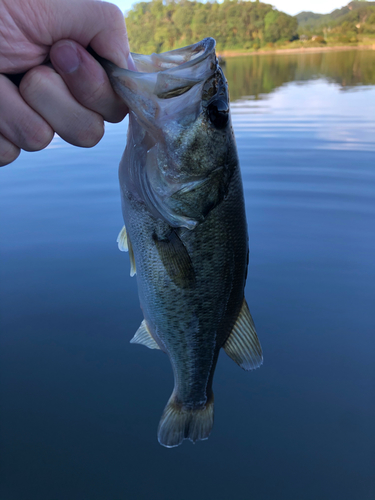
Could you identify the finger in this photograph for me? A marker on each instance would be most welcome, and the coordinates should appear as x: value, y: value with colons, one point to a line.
x: 8, y: 151
x: 112, y: 41
x: 99, y: 24
x: 45, y: 91
x: 87, y: 80
x: 20, y: 124
x: 41, y: 23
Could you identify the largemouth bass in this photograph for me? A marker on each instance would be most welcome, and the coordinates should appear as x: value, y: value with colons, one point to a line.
x: 185, y: 226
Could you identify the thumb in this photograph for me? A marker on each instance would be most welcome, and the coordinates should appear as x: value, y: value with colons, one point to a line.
x: 87, y: 22
x: 109, y: 39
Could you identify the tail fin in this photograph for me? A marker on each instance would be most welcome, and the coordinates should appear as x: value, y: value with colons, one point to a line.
x: 178, y: 423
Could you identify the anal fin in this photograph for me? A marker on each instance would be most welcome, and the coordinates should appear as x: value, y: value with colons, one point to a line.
x: 143, y: 336
x: 125, y: 245
x: 243, y: 345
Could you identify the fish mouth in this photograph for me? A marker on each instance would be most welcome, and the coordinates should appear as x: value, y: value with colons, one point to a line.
x: 161, y: 79
x: 172, y: 109
x: 176, y: 60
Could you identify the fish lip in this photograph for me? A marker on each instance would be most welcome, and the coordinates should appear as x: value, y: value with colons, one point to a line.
x: 162, y: 76
x: 207, y: 45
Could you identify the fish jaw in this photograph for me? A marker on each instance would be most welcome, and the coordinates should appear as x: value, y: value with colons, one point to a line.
x: 151, y: 91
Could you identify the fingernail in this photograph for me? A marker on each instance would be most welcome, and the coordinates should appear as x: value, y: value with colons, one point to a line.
x: 66, y: 58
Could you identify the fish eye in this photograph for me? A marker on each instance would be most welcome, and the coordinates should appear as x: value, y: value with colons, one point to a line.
x: 218, y: 113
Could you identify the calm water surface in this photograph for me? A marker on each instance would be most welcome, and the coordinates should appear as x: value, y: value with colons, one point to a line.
x: 80, y: 405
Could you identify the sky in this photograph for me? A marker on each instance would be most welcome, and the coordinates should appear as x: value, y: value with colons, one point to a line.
x: 291, y: 7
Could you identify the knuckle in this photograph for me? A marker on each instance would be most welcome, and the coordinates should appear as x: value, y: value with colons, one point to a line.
x: 87, y: 137
x: 84, y: 133
x: 113, y: 12
x: 33, y: 83
x: 37, y: 137
x: 8, y: 152
x: 118, y: 113
x: 91, y: 97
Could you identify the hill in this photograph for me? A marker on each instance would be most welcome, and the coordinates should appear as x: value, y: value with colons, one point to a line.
x: 238, y: 25
x: 158, y: 26
x: 310, y: 20
x: 304, y: 18
x: 342, y: 26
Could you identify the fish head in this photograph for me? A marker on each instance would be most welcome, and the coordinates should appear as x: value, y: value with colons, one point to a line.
x: 179, y: 113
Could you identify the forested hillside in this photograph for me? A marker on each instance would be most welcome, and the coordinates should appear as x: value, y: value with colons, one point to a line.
x: 342, y: 25
x: 158, y: 26
x: 162, y: 25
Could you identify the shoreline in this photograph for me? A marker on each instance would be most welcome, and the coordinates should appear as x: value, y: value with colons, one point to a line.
x: 297, y: 50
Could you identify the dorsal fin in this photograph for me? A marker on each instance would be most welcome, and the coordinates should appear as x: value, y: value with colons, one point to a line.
x: 125, y: 245
x: 143, y: 336
x: 243, y: 345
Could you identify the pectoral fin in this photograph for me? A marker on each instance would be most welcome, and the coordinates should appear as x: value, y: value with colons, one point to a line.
x: 143, y: 336
x: 176, y: 259
x: 125, y: 245
x: 243, y: 344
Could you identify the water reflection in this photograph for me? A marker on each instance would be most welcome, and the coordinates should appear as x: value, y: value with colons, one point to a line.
x: 257, y: 75
x: 315, y: 115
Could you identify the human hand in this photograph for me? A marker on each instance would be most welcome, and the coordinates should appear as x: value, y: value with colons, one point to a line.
x: 74, y: 97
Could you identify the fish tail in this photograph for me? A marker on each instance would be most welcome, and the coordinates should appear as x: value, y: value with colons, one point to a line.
x: 178, y: 423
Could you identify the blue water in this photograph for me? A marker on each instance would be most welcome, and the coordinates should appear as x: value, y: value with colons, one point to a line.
x: 80, y: 405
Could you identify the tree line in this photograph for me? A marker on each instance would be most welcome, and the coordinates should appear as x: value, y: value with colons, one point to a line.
x: 158, y: 26
x: 162, y: 25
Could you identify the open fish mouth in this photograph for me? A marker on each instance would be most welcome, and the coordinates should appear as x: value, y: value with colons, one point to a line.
x: 151, y: 91
x: 179, y: 110
x: 189, y: 57
x: 172, y: 73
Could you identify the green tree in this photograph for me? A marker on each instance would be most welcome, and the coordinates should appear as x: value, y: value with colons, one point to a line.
x: 163, y: 25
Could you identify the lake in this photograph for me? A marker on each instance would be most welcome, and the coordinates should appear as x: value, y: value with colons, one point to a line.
x: 80, y: 405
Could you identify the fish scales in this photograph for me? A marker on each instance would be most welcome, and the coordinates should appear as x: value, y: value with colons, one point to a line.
x: 186, y: 227
x: 171, y: 313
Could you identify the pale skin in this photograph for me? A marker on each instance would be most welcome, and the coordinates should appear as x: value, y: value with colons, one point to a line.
x: 74, y: 97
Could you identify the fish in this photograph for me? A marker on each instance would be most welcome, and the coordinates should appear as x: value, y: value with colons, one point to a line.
x: 185, y: 226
